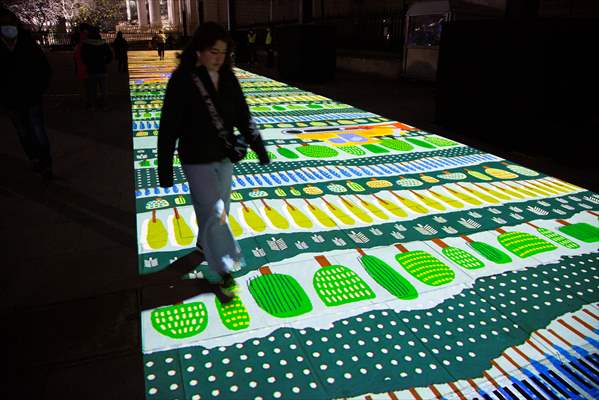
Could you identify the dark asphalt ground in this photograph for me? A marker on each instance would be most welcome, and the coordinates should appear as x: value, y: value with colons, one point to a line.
x: 70, y: 295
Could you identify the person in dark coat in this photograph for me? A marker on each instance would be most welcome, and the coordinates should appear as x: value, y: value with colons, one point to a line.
x: 159, y: 40
x: 120, y: 47
x: 24, y: 77
x: 187, y: 117
x: 96, y: 54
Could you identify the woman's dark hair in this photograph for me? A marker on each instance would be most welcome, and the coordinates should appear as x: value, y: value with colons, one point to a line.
x: 9, y: 15
x: 119, y: 35
x: 204, y: 38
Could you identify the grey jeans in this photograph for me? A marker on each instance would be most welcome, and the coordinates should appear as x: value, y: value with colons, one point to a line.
x: 210, y: 189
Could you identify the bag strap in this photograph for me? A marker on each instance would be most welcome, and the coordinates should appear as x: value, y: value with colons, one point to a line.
x: 214, y: 115
x: 217, y: 120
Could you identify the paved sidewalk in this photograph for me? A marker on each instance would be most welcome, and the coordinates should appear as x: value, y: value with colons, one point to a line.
x: 70, y: 293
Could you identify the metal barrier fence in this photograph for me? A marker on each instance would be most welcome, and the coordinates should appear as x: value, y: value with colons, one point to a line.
x: 383, y: 32
x: 66, y: 39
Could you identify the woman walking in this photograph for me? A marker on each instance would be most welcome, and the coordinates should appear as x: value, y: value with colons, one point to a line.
x: 202, y: 105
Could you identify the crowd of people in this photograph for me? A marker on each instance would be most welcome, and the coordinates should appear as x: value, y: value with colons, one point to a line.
x: 91, y: 55
x: 203, y: 105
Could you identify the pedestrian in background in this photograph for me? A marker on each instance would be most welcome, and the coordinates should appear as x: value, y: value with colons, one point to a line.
x: 120, y: 47
x: 202, y: 105
x: 252, y: 45
x: 96, y: 54
x: 270, y: 58
x: 160, y: 43
x: 24, y: 77
x: 80, y: 68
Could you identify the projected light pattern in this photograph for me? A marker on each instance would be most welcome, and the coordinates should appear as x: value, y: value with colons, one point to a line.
x: 382, y: 262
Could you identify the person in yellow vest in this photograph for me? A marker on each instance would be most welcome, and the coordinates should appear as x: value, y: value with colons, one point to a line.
x: 252, y: 45
x: 269, y: 51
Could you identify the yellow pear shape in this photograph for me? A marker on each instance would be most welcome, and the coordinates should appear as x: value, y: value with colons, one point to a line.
x: 540, y: 187
x: 356, y: 210
x: 157, y: 235
x: 373, y: 209
x: 299, y: 217
x: 560, y: 189
x: 253, y: 219
x: 463, y: 196
x: 481, y: 195
x: 495, y: 193
x: 446, y: 199
x: 338, y: 212
x: 236, y: 229
x: 392, y: 207
x: 275, y: 217
x: 521, y: 189
x: 183, y: 234
x: 411, y: 204
x: 321, y: 216
x: 432, y: 203
x: 511, y: 192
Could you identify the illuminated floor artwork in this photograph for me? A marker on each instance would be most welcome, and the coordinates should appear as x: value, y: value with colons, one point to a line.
x: 383, y: 262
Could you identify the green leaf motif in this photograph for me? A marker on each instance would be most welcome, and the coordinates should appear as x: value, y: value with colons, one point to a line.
x: 280, y: 295
x: 524, y: 244
x: 389, y: 278
x: 462, y: 258
x: 337, y: 285
x: 180, y: 321
x: 426, y: 268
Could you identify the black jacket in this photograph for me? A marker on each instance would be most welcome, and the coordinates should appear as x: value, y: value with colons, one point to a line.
x: 95, y: 54
x: 185, y: 117
x: 24, y: 73
x: 120, y: 47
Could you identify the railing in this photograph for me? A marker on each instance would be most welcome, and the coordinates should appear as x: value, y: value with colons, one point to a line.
x: 382, y: 32
x: 66, y: 39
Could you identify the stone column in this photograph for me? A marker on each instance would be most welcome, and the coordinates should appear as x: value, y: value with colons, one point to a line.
x: 174, y: 13
x: 142, y: 14
x: 155, y: 21
x: 128, y: 10
x: 192, y: 16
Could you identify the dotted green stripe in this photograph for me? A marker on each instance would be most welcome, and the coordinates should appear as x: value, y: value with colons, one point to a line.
x: 253, y: 156
x: 396, y: 144
x: 316, y: 151
x: 524, y: 244
x: 337, y: 285
x: 522, y: 170
x: 441, y: 142
x: 180, y: 321
x: 389, y: 278
x: 426, y: 268
x: 462, y: 258
x: 233, y: 315
x: 354, y: 150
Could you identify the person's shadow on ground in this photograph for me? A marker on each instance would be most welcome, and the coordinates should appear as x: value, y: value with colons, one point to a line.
x: 167, y: 287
